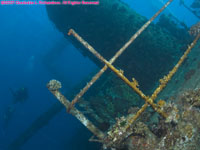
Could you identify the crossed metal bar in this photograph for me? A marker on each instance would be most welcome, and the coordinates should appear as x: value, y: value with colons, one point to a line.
x: 134, y: 83
x: 119, y: 73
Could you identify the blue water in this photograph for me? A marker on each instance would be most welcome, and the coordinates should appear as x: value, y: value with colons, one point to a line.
x: 26, y: 35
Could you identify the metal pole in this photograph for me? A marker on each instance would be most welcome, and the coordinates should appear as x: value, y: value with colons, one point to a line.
x: 54, y: 87
x: 165, y: 80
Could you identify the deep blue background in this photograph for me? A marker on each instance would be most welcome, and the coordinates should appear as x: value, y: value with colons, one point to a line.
x: 26, y: 34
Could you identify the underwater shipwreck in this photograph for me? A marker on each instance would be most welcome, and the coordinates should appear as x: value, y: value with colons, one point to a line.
x: 146, y: 94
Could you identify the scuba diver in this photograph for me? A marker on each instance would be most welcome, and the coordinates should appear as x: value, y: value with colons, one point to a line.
x: 19, y: 96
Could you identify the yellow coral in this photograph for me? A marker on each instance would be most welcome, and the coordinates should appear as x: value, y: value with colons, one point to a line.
x: 135, y: 82
x: 161, y: 103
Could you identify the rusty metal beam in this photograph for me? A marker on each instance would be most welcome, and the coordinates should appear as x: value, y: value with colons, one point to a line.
x: 54, y: 87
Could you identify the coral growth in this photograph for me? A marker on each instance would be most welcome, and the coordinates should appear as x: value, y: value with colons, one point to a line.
x: 179, y: 132
x: 195, y: 29
x: 54, y: 85
x: 192, y: 97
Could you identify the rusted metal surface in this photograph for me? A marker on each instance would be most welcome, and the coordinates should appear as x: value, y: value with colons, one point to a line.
x: 54, y: 87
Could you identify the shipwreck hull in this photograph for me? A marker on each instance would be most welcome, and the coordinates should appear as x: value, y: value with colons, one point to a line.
x: 108, y: 26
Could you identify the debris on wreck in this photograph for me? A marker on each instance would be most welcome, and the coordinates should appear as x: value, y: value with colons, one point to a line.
x: 180, y: 135
x: 195, y: 29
